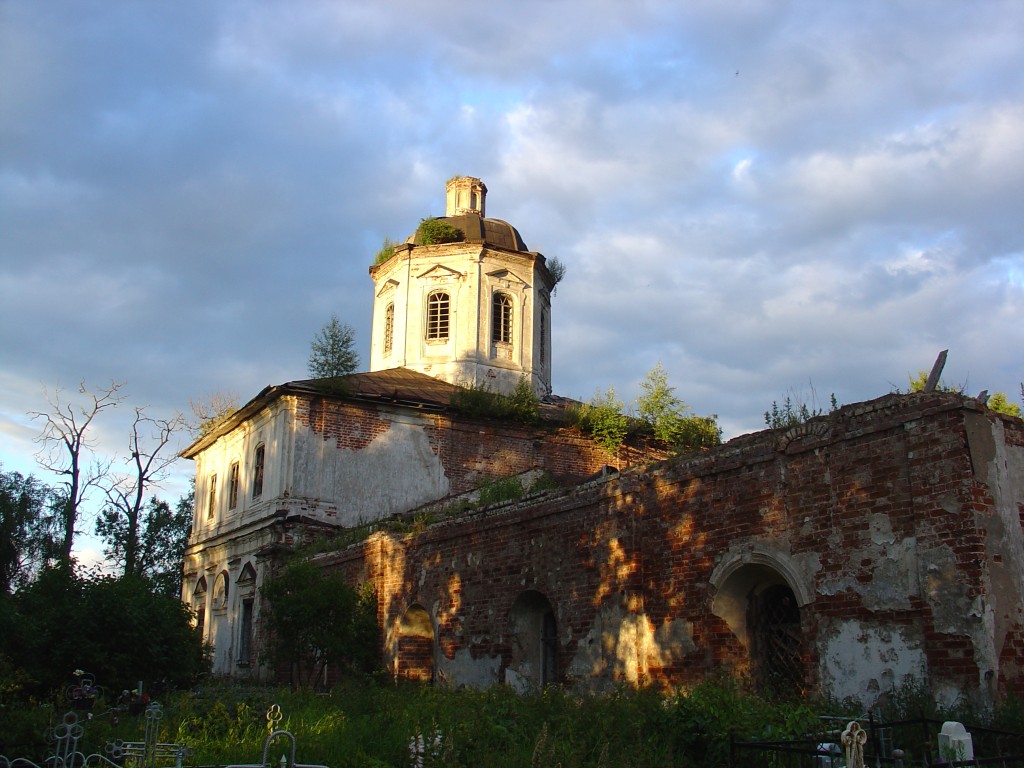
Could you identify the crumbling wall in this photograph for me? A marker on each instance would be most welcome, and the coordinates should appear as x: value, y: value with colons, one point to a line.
x: 891, y: 529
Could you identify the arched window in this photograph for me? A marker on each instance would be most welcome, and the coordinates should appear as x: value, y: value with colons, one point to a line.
x: 257, y: 471
x: 389, y: 329
x: 437, y: 316
x: 501, y: 318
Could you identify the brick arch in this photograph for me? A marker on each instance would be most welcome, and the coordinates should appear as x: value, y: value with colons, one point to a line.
x: 758, y: 596
x: 415, y: 649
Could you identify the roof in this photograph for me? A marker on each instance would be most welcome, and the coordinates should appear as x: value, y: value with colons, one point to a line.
x: 395, y: 385
x: 475, y: 229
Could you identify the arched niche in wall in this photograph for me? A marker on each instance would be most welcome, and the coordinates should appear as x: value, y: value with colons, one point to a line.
x: 534, y: 634
x: 221, y: 587
x: 414, y: 657
x: 759, y: 596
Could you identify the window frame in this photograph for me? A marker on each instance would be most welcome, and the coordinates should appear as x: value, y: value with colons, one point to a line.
x: 438, y: 316
x: 389, y: 329
x: 233, y: 478
x: 258, y: 465
x: 211, y: 497
x: 502, y: 314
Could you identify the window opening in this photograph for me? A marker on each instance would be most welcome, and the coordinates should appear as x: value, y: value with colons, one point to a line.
x: 501, y: 318
x: 777, y: 641
x: 245, y: 639
x: 257, y: 472
x: 437, y: 316
x: 233, y: 487
x: 389, y: 329
x: 211, y: 497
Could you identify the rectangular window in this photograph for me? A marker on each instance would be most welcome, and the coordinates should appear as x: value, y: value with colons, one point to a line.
x: 389, y: 329
x: 245, y: 634
x: 501, y: 318
x: 233, y: 487
x: 211, y: 498
x: 257, y: 472
x: 437, y: 316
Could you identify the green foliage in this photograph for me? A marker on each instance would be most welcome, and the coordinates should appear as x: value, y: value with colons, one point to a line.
x: 602, y: 418
x: 385, y: 252
x: 164, y: 534
x: 27, y: 533
x: 493, y: 491
x: 480, y: 401
x: 362, y: 723
x: 433, y: 231
x: 1000, y: 403
x: 315, y: 619
x: 669, y: 419
x: 791, y: 414
x: 557, y: 269
x: 332, y: 351
x: 119, y: 629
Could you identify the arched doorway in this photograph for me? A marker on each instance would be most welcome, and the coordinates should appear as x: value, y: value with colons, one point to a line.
x: 415, y: 656
x: 776, y: 640
x: 534, y: 635
x: 762, y: 608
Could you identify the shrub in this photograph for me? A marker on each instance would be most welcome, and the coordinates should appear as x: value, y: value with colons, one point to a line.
x: 385, y: 252
x: 434, y: 231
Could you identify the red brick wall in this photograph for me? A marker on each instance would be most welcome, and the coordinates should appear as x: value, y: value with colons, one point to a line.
x: 646, y: 543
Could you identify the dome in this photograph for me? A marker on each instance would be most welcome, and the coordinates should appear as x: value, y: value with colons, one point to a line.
x: 476, y: 229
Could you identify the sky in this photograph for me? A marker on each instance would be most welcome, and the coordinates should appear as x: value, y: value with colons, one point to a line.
x: 772, y: 199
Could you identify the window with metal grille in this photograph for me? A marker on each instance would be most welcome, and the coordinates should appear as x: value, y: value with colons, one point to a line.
x: 501, y: 318
x: 233, y: 487
x: 437, y: 316
x: 389, y: 329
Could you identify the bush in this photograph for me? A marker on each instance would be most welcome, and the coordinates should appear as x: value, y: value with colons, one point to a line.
x: 436, y: 231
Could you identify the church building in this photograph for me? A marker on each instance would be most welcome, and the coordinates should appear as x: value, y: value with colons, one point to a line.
x: 873, y: 547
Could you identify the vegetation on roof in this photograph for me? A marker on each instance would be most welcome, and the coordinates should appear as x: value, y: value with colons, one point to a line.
x: 434, y: 231
x: 385, y: 252
x: 480, y: 401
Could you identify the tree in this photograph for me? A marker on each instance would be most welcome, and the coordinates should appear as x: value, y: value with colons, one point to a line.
x: 603, y: 419
x: 148, y: 442
x: 669, y: 417
x: 66, y: 448
x: 211, y: 411
x: 161, y: 542
x: 316, y: 619
x: 26, y: 541
x: 119, y: 629
x: 332, y: 351
x: 1000, y: 403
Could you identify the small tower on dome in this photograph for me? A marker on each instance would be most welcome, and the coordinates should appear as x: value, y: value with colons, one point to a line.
x: 473, y: 310
x: 465, y: 195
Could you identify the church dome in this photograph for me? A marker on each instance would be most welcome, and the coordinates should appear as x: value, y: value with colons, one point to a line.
x: 476, y: 229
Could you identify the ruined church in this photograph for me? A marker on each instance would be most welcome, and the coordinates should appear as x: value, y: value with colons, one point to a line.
x: 874, y: 546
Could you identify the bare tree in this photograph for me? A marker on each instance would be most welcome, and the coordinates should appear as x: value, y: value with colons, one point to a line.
x: 148, y: 445
x: 211, y: 410
x: 66, y: 449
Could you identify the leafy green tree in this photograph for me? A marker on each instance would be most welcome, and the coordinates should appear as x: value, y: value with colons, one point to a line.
x: 669, y: 417
x: 385, y: 252
x: 603, y: 419
x: 332, y: 351
x: 162, y: 538
x: 118, y: 629
x: 315, y: 619
x: 1000, y: 403
x: 26, y: 536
